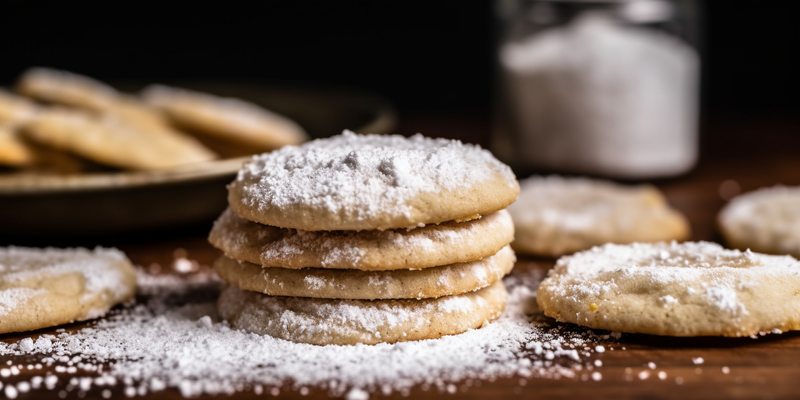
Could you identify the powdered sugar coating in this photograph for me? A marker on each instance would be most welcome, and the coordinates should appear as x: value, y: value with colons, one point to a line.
x: 326, y: 321
x: 765, y: 220
x: 432, y: 282
x: 19, y: 264
x: 686, y: 289
x: 355, y: 182
x: 45, y: 287
x: 12, y: 298
x: 428, y: 246
x: 556, y: 215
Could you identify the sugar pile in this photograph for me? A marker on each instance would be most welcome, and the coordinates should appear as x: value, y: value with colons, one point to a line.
x: 602, y: 97
x: 172, y: 339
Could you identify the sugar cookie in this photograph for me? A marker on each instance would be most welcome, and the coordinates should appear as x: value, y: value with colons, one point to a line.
x: 14, y: 152
x: 323, y: 321
x: 429, y: 246
x: 47, y: 287
x: 15, y: 109
x: 111, y: 141
x: 365, y: 182
x: 349, y: 284
x: 687, y: 289
x: 227, y: 118
x: 77, y: 91
x: 556, y: 216
x: 766, y: 220
x: 66, y: 89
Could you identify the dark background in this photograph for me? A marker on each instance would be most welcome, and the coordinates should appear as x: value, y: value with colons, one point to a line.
x: 427, y: 57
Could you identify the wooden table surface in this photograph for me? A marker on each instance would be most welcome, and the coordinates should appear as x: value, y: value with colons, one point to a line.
x: 746, y: 155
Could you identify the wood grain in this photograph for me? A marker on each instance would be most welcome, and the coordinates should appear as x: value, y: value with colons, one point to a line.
x: 752, y: 155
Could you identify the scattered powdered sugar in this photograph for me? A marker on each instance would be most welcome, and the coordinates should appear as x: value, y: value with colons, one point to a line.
x: 173, y: 339
x: 363, y: 176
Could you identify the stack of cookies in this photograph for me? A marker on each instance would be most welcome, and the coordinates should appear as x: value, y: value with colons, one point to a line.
x: 366, y: 239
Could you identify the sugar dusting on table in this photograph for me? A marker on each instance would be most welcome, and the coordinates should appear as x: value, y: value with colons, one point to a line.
x: 172, y: 339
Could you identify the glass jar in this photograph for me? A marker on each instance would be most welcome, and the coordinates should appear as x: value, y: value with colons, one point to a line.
x: 606, y: 88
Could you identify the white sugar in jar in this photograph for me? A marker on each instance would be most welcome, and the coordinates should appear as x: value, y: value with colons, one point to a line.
x: 599, y: 87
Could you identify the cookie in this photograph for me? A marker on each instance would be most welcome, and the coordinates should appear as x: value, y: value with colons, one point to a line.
x: 556, y: 216
x: 71, y: 90
x: 48, y: 287
x: 687, y: 289
x: 14, y: 151
x: 15, y: 109
x: 367, y: 285
x: 111, y: 141
x: 367, y: 182
x: 227, y: 118
x: 139, y: 114
x: 66, y: 89
x: 766, y: 220
x: 428, y: 246
x: 347, y: 322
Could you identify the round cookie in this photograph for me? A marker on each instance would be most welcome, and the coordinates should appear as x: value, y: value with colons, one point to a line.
x: 426, y: 283
x: 15, y: 109
x: 14, y: 151
x: 66, y: 88
x: 687, y: 289
x: 766, y: 220
x: 555, y: 216
x: 428, y: 246
x: 48, y: 287
x: 109, y: 140
x: 347, y: 322
x: 365, y: 182
x: 86, y: 94
x: 226, y: 118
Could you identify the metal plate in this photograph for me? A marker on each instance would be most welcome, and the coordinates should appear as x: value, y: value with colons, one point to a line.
x: 123, y: 202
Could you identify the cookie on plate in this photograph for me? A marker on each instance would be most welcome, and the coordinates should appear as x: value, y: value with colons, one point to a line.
x: 766, y: 220
x: 80, y: 92
x: 15, y: 109
x: 687, y: 289
x: 109, y: 140
x: 66, y: 89
x: 40, y: 288
x: 445, y: 280
x: 369, y: 182
x: 555, y: 215
x: 226, y: 118
x: 344, y: 322
x: 428, y: 246
x: 14, y: 151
